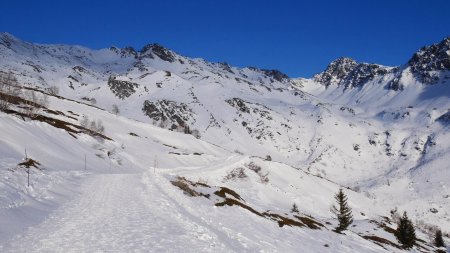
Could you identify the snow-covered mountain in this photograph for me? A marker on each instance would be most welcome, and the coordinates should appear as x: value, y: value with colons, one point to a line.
x: 380, y: 131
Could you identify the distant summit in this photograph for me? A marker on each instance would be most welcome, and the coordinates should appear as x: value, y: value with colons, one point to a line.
x: 163, y: 53
x: 349, y: 73
x: 430, y: 59
x: 426, y: 65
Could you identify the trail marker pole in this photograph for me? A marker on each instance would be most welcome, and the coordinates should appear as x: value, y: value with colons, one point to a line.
x: 28, y: 169
x: 155, y: 165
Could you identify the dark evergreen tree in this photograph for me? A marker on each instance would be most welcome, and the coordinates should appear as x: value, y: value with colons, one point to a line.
x: 438, y: 240
x: 294, y: 208
x: 405, y: 232
x: 342, y: 211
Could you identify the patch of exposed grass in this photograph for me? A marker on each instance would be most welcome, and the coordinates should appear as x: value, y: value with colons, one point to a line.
x: 234, y: 202
x: 232, y: 198
x: 224, y: 190
x: 309, y: 222
x: 57, y: 123
x: 380, y: 241
x: 185, y: 186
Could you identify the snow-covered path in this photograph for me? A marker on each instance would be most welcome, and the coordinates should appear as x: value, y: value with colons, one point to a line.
x: 118, y: 213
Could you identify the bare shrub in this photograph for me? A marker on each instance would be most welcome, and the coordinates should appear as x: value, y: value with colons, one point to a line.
x: 9, y: 88
x: 196, y: 133
x: 97, y: 126
x: 90, y: 100
x: 253, y: 166
x: 237, y: 173
x: 52, y: 90
x: 237, y: 151
x: 93, y: 125
x: 115, y: 109
x: 84, y: 121
x: 264, y: 178
x: 35, y: 101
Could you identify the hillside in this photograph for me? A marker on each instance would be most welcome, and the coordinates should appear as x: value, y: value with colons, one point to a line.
x: 380, y: 132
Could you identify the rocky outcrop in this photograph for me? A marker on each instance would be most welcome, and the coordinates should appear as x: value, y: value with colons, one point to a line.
x: 238, y: 104
x: 128, y: 52
x: 151, y: 50
x: 275, y: 74
x: 350, y: 74
x: 271, y: 73
x: 444, y: 118
x: 426, y: 63
x: 169, y: 113
x: 122, y: 89
x: 336, y: 71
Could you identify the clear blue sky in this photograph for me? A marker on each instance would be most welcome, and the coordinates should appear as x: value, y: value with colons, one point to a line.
x: 297, y: 37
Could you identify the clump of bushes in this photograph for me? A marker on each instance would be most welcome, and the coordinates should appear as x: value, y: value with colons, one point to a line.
x: 263, y: 177
x: 234, y: 174
x: 93, y: 125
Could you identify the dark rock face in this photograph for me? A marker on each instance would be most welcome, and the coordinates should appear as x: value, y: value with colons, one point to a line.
x: 140, y: 65
x: 225, y: 66
x: 429, y: 59
x: 349, y: 73
x: 177, y: 114
x: 272, y: 73
x: 6, y: 40
x: 238, y: 104
x: 363, y: 73
x: 444, y: 118
x: 395, y: 83
x: 115, y: 49
x: 247, y: 112
x: 275, y: 74
x: 79, y: 69
x: 127, y: 52
x: 122, y: 89
x: 336, y: 71
x: 155, y: 49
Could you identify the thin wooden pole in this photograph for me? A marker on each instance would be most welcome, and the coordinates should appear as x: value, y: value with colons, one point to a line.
x: 155, y: 165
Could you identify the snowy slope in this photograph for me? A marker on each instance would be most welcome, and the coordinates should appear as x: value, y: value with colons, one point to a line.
x: 121, y: 202
x: 353, y: 127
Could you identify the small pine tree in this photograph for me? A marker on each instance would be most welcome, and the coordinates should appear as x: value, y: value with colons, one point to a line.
x: 438, y: 240
x: 343, y: 212
x: 294, y: 208
x: 405, y: 232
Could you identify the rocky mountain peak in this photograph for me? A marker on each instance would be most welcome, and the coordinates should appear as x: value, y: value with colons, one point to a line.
x: 163, y: 53
x: 275, y: 74
x: 272, y: 73
x: 7, y: 39
x: 429, y: 59
x: 336, y: 71
x: 128, y: 51
x: 349, y: 73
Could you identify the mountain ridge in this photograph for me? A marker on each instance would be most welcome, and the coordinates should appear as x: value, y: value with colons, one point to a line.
x: 387, y: 145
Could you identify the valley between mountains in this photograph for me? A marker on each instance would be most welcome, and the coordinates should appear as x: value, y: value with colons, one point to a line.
x: 126, y: 150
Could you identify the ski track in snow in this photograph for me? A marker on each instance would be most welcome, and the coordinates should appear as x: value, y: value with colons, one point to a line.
x: 119, y: 213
